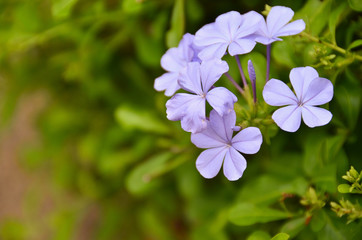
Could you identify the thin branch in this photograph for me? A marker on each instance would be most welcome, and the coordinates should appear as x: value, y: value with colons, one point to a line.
x: 234, y: 83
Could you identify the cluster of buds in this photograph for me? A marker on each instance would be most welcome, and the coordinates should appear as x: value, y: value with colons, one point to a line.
x: 345, y: 207
x: 354, y: 178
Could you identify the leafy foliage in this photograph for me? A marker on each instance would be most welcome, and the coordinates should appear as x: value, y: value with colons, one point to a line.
x: 107, y: 150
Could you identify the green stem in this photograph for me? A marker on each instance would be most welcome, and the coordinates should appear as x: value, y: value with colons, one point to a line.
x: 332, y: 46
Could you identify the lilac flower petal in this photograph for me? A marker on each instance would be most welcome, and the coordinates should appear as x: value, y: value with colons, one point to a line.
x: 250, y: 23
x: 221, y: 99
x: 189, y: 79
x: 277, y: 18
x: 194, y: 119
x: 236, y: 128
x: 300, y: 78
x: 277, y: 93
x: 185, y: 46
x: 248, y: 140
x: 291, y: 28
x: 266, y: 40
x: 209, y: 161
x: 228, y: 23
x: 320, y: 91
x: 288, y: 118
x: 241, y: 46
x: 208, y: 35
x: 177, y: 105
x: 223, y: 126
x: 211, y: 71
x: 171, y: 60
x: 234, y: 165
x: 168, y: 82
x: 216, y: 50
x: 315, y: 116
x: 207, y: 139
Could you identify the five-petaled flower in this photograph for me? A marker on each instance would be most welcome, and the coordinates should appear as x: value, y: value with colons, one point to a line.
x: 222, y: 147
x: 276, y: 25
x: 310, y: 89
x: 198, y: 79
x: 195, y: 66
x: 230, y: 31
x: 174, y: 61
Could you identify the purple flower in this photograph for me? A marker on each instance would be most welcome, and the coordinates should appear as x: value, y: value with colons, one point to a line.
x: 222, y: 147
x: 173, y: 61
x: 277, y: 25
x: 310, y: 89
x: 230, y: 31
x: 198, y: 79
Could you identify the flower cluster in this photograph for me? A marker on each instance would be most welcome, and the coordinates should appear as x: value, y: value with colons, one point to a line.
x: 196, y: 64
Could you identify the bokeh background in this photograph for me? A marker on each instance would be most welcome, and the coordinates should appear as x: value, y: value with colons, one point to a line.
x: 86, y: 150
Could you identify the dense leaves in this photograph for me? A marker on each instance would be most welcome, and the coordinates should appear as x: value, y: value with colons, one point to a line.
x: 118, y: 169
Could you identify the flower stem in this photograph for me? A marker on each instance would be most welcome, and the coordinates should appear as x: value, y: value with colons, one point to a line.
x: 268, y: 48
x: 330, y: 45
x: 234, y: 83
x: 240, y: 70
x: 254, y: 91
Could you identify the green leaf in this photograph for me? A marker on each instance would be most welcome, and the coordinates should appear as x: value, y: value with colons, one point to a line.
x: 139, y: 181
x: 332, y: 230
x: 61, y: 8
x: 268, y: 189
x: 327, y: 178
x: 149, y: 50
x: 174, y: 35
x: 194, y: 10
x: 355, y: 44
x: 12, y: 229
x: 318, y: 220
x: 334, y: 18
x: 245, y: 214
x: 315, y: 14
x: 344, y: 188
x: 281, y: 236
x: 284, y: 53
x: 355, y: 5
x: 348, y: 97
x: 132, y: 6
x: 141, y: 119
x: 259, y: 235
x: 294, y: 226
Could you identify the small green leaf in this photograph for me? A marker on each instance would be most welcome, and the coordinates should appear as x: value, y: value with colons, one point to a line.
x: 355, y: 44
x: 355, y: 5
x: 138, y: 182
x: 149, y: 50
x: 334, y: 19
x: 294, y: 226
x: 61, y: 8
x: 135, y: 118
x: 281, y: 236
x: 343, y: 188
x: 318, y: 220
x: 259, y: 235
x: 132, y: 6
x: 348, y: 97
x: 245, y: 214
x: 174, y: 35
x: 269, y: 189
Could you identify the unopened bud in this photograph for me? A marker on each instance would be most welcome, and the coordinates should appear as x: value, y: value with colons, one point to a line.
x: 354, y: 173
x: 252, y: 77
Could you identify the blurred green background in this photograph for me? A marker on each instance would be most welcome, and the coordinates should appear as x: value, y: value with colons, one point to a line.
x: 86, y: 150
